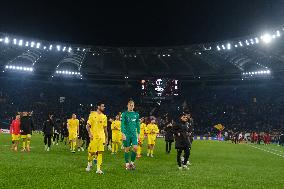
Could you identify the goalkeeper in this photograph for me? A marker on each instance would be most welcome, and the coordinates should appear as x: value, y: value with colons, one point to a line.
x: 130, y: 127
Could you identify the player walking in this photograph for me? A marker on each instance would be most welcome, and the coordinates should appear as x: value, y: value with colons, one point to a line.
x: 130, y: 127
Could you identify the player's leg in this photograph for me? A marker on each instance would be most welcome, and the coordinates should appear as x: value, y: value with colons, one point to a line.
x: 134, y: 142
x: 113, y: 143
x: 100, y: 149
x: 149, y: 145
x: 16, y: 143
x: 186, y: 156
x: 188, y: 161
x: 73, y: 145
x: 13, y: 142
x: 179, y: 151
x: 82, y: 144
x: 91, y: 155
x: 48, y: 142
x: 75, y: 141
x: 45, y: 142
x: 126, y: 144
x: 152, y: 150
x: 113, y: 147
x: 24, y: 138
x: 139, y: 149
x: 133, y: 155
x: 167, y: 146
x: 99, y: 162
x: 29, y: 142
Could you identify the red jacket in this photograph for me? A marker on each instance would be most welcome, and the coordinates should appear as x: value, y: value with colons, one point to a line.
x: 15, y: 127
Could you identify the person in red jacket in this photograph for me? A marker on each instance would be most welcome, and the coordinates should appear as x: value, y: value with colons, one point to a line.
x: 15, y: 132
x: 266, y: 138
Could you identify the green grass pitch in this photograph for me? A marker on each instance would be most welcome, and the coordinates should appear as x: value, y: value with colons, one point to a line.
x: 214, y: 165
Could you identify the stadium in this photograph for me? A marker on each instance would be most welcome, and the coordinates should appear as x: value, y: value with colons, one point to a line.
x: 207, y: 114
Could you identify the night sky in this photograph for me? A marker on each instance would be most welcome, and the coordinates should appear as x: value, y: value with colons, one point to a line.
x: 163, y: 23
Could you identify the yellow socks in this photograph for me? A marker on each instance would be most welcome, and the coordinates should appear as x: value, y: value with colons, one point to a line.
x: 90, y: 157
x: 99, y: 161
x: 24, y: 144
x: 73, y: 145
x: 116, y: 147
x: 139, y: 149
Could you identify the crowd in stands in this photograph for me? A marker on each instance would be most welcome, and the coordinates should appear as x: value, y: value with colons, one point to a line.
x: 240, y: 108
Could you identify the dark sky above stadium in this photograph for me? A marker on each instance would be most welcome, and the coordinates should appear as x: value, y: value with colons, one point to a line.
x: 140, y: 23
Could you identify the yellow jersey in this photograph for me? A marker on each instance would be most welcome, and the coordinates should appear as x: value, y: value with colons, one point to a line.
x: 152, y: 129
x: 116, y: 126
x: 97, y: 123
x: 73, y: 125
x: 142, y: 130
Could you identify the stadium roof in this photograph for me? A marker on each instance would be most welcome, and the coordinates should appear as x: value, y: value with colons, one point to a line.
x: 232, y: 57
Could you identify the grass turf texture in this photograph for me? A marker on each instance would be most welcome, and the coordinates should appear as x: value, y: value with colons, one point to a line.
x: 215, y: 165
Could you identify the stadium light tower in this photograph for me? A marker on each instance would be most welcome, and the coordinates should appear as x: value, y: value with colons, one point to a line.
x: 266, y: 38
x: 20, y: 42
x: 6, y: 40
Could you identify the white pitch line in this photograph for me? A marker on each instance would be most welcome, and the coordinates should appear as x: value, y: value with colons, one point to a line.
x: 266, y: 150
x: 275, y: 150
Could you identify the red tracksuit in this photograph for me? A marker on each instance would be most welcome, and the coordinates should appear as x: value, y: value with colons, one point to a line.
x: 15, y: 127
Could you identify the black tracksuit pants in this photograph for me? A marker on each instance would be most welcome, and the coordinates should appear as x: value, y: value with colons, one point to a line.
x: 168, y: 146
x: 186, y: 156
x: 47, y: 139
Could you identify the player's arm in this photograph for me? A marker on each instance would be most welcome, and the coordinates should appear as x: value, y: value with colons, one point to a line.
x: 123, y: 126
x: 105, y: 129
x: 157, y: 129
x: 88, y: 126
x: 78, y: 128
x: 112, y: 126
x: 176, y: 130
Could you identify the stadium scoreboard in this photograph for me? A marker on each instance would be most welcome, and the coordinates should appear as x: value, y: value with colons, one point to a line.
x: 160, y: 89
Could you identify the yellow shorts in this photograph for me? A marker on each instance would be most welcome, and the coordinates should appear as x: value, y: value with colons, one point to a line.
x: 72, y: 136
x: 116, y: 137
x: 15, y: 137
x: 152, y: 139
x: 28, y: 136
x: 97, y: 145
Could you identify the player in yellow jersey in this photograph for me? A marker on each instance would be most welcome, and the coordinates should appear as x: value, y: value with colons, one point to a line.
x: 97, y: 129
x: 141, y: 136
x: 116, y: 134
x: 73, y: 129
x: 152, y: 131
